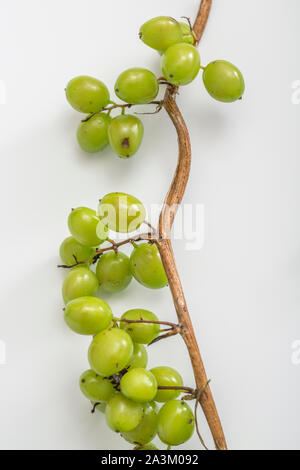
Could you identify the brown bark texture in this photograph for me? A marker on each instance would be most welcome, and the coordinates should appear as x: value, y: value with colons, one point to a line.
x: 172, y: 200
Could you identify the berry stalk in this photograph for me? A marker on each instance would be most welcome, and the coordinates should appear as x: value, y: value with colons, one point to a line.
x: 113, y: 246
x: 172, y: 200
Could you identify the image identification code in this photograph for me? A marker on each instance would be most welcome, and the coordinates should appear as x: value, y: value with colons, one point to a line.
x: 150, y: 459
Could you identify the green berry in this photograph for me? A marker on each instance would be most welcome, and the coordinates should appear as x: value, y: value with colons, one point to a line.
x: 167, y: 377
x: 146, y: 266
x: 71, y: 251
x: 146, y: 429
x: 92, y: 135
x: 79, y: 282
x: 142, y: 333
x: 176, y: 423
x: 110, y: 351
x: 94, y: 387
x: 223, y: 81
x: 139, y: 357
x: 84, y: 226
x: 139, y: 385
x: 137, y: 86
x: 113, y: 271
x: 181, y: 64
x: 88, y: 315
x: 121, y: 212
x: 161, y: 32
x: 125, y: 134
x: 87, y: 94
x: 123, y: 415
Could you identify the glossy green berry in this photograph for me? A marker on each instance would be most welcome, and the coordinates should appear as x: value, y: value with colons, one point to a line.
x: 79, y: 282
x: 87, y: 94
x: 188, y: 35
x: 121, y: 212
x: 72, y: 251
x: 176, y: 423
x: 146, y: 266
x: 122, y: 414
x: 94, y: 387
x: 142, y: 333
x: 146, y: 429
x: 161, y: 32
x: 223, y: 81
x: 83, y: 224
x: 167, y: 377
x: 137, y: 86
x: 110, y: 351
x: 139, y: 357
x: 181, y: 64
x: 87, y: 315
x: 113, y: 271
x: 139, y: 385
x: 125, y: 134
x: 92, y: 135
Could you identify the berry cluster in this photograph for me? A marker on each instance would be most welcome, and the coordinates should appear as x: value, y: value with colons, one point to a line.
x: 180, y: 63
x: 118, y: 382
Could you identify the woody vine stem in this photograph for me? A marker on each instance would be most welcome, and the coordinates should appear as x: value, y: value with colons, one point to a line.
x: 161, y: 236
x: 173, y: 198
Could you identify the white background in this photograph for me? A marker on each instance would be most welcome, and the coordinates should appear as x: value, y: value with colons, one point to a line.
x: 242, y: 286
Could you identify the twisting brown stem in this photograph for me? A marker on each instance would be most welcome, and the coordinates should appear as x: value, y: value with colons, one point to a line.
x: 122, y: 107
x: 172, y: 200
x: 180, y: 179
x: 201, y: 19
x: 189, y: 21
x: 172, y: 325
x: 171, y: 332
x: 172, y: 329
x: 153, y: 230
x: 114, y: 246
x: 189, y: 390
x: 199, y: 393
